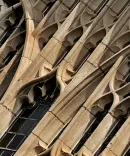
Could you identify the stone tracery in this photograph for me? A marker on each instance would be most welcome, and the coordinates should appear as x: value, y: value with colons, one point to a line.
x: 75, y: 54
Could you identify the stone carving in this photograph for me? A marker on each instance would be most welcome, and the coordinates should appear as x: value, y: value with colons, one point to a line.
x: 64, y: 77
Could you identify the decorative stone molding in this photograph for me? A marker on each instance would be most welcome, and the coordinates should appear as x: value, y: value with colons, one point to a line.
x: 64, y: 77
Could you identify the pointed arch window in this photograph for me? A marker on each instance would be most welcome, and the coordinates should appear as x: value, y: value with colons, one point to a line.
x: 25, y: 122
x: 23, y: 126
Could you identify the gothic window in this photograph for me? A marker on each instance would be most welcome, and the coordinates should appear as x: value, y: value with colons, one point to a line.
x: 25, y: 122
x: 22, y: 126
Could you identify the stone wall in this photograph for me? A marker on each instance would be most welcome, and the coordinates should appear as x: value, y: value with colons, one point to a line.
x: 65, y: 77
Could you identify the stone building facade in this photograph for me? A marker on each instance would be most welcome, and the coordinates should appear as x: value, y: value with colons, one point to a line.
x: 64, y: 77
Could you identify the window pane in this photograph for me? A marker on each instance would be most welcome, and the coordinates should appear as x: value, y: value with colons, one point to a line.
x: 40, y: 111
x: 16, y: 142
x: 17, y: 125
x: 28, y: 126
x: 7, y: 153
x: 47, y: 103
x: 27, y: 113
x: 1, y: 151
x: 6, y: 139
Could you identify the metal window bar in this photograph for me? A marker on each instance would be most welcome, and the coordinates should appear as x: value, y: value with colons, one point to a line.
x: 23, y: 126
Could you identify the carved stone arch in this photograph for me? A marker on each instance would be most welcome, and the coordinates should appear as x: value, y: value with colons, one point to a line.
x: 47, y: 34
x: 82, y: 53
x: 107, y: 54
x: 61, y: 13
x: 8, y: 21
x: 11, y: 48
x: 109, y: 18
x: 77, y: 75
x: 40, y: 8
x: 74, y: 35
x: 118, y: 81
x: 21, y: 102
x: 90, y: 45
x: 12, y: 45
x: 124, y: 68
x: 121, y: 42
x: 49, y: 5
x: 41, y: 5
x: 96, y: 37
x: 41, y: 151
x: 99, y: 105
x: 101, y: 26
x: 36, y: 88
x: 51, y: 29
x: 86, y: 15
x: 12, y: 40
x: 56, y: 19
x: 56, y: 15
x: 38, y: 150
x: 122, y: 109
x: 70, y: 4
x: 119, y: 84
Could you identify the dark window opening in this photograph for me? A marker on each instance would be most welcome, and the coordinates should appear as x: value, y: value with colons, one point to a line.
x: 76, y: 39
x: 99, y: 117
x: 47, y: 152
x: 83, y: 60
x: 126, y: 44
x: 49, y: 6
x: 98, y: 42
x: 110, y: 136
x: 98, y: 10
x: 42, y: 45
x: 5, y: 83
x: 74, y: 4
x: 59, y: 134
x: 10, y: 3
x: 128, y: 152
x: 9, y: 57
x: 23, y: 125
x: 62, y: 56
x: 126, y: 78
x: 26, y: 121
x: 18, y: 13
x: 6, y: 34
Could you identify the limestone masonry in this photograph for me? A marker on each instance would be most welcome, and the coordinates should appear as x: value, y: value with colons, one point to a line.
x: 65, y: 77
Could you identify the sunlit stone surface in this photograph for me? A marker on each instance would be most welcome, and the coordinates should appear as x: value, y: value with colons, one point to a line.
x: 64, y: 77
